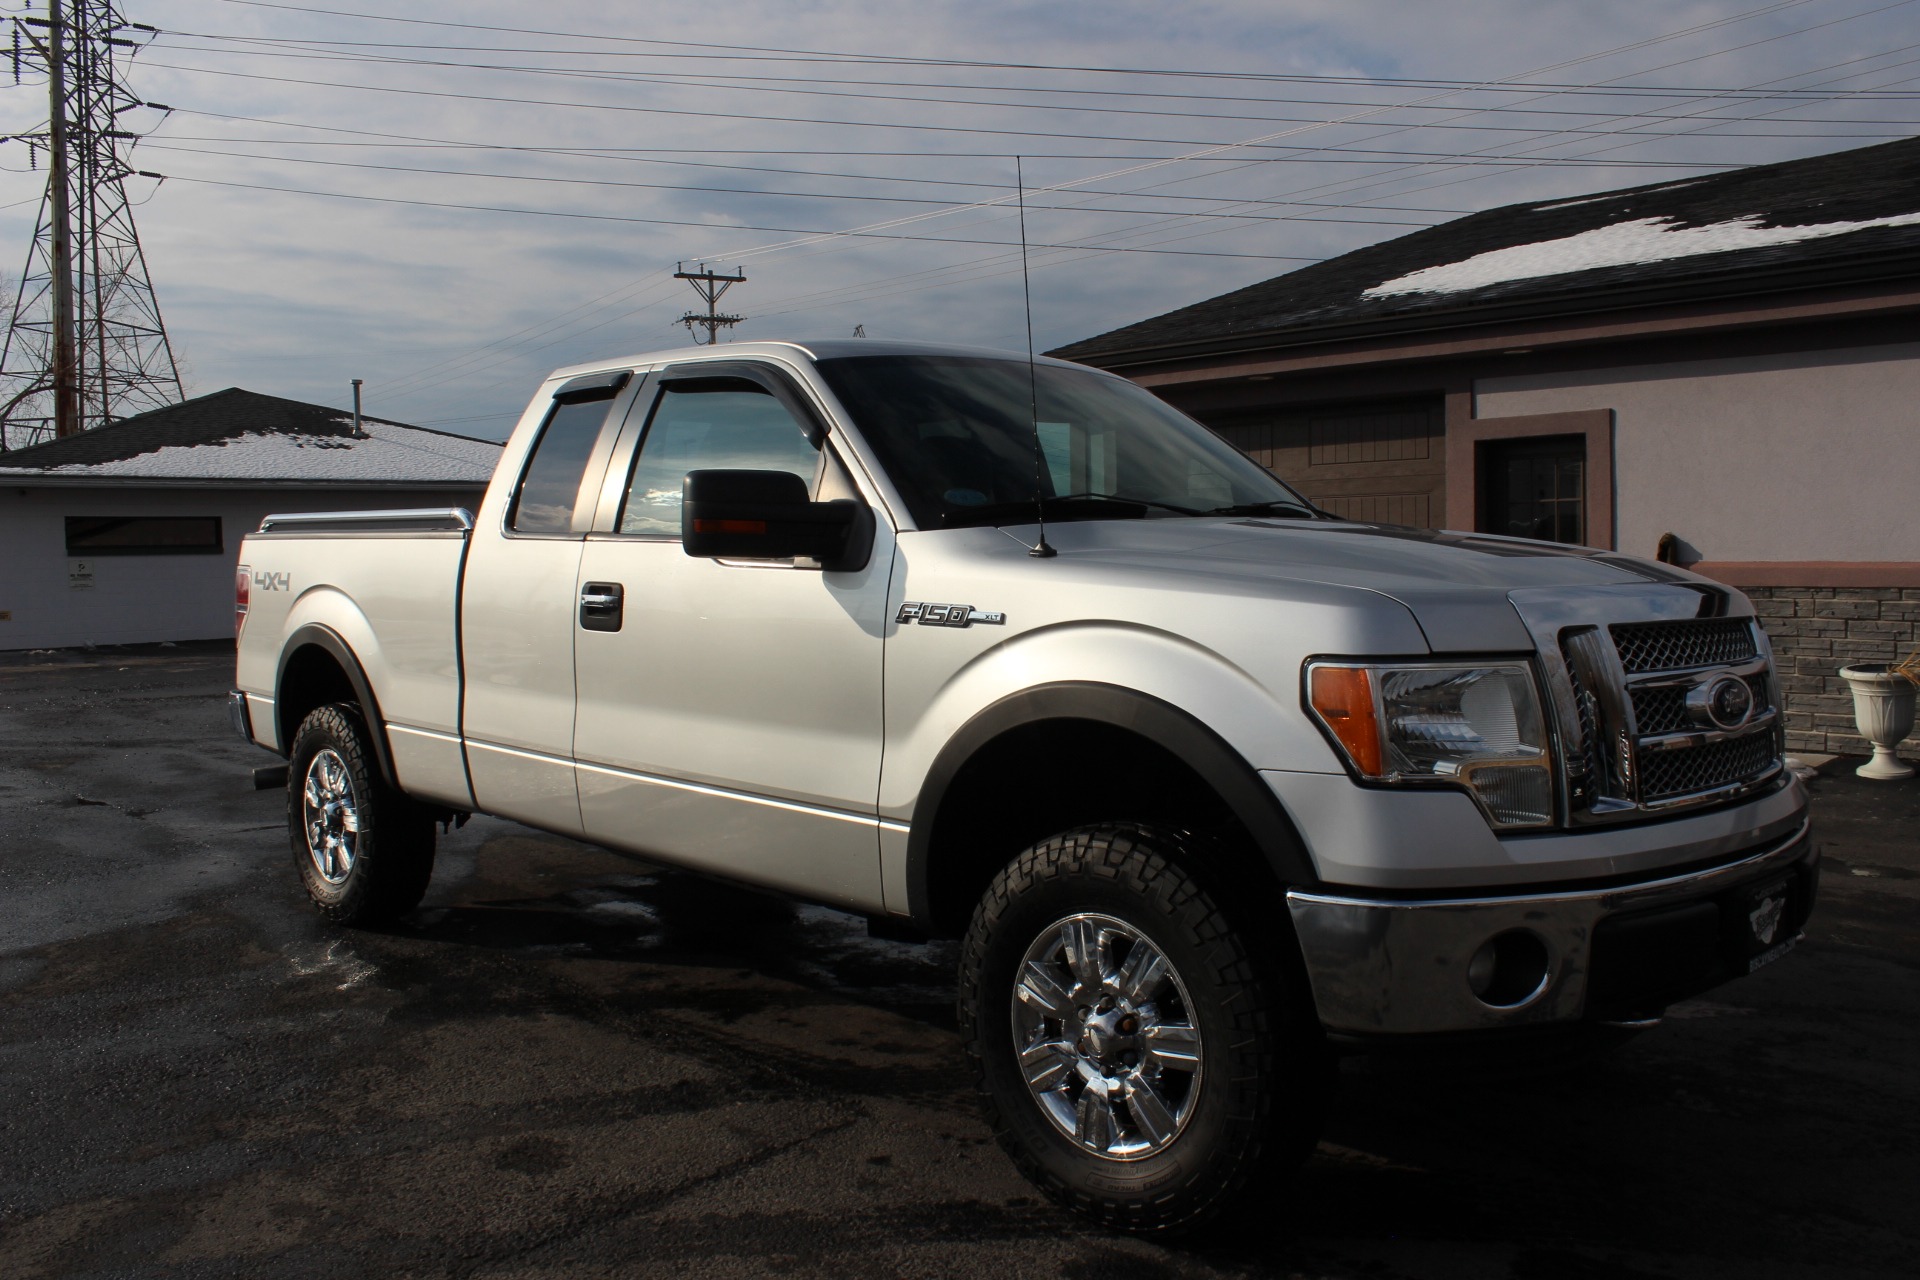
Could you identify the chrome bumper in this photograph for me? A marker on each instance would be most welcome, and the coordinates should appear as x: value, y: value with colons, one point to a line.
x: 240, y: 714
x: 1383, y: 967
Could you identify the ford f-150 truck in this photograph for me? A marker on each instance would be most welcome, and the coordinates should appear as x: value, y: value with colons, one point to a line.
x: 1213, y: 784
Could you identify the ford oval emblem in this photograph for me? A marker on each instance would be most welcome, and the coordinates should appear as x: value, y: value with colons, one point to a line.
x: 1722, y: 699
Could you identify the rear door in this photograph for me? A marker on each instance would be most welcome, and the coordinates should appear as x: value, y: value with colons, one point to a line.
x: 729, y: 713
x: 517, y: 609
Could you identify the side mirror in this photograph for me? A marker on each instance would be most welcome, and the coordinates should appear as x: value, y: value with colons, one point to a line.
x: 766, y: 515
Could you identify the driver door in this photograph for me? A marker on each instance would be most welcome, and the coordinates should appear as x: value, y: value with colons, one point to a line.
x: 729, y: 711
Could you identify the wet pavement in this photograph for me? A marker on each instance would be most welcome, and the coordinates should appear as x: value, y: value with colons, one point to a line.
x: 570, y: 1063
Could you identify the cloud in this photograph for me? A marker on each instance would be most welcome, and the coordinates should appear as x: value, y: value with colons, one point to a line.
x: 451, y: 314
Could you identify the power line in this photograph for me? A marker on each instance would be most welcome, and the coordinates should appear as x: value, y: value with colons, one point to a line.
x: 301, y: 44
x: 679, y: 222
x: 1215, y: 154
x: 734, y: 84
x: 629, y: 108
x: 601, y: 154
x: 736, y: 191
x: 895, y: 60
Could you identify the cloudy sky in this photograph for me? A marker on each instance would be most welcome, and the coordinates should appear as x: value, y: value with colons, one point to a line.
x: 450, y: 203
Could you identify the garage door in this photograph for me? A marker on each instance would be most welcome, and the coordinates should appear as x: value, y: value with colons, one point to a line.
x: 1381, y: 462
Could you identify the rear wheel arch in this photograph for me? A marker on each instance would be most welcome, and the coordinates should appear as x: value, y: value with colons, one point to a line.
x: 318, y: 667
x: 1061, y: 755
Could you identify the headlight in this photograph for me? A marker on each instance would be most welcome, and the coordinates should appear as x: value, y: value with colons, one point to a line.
x: 1479, y: 728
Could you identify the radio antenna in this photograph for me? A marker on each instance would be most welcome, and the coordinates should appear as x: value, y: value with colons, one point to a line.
x: 1040, y: 550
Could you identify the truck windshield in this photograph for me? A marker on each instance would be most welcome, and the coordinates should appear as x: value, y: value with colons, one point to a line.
x: 956, y: 435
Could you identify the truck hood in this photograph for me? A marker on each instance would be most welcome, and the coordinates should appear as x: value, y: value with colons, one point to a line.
x: 1455, y: 584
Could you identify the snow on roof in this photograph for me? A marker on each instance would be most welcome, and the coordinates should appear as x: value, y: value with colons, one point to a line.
x: 1622, y: 244
x: 240, y: 437
x: 1847, y: 217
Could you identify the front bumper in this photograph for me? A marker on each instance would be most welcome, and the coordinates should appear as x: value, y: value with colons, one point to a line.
x: 1391, y: 967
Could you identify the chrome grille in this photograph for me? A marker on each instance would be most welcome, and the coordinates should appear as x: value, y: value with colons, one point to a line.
x: 1583, y: 768
x: 1684, y: 770
x: 1634, y: 747
x: 1676, y: 646
x: 1663, y: 708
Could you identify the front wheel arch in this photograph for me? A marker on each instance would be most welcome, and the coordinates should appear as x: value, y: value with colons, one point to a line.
x: 1032, y: 740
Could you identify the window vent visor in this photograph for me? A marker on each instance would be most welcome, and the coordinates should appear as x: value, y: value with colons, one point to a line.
x: 592, y: 386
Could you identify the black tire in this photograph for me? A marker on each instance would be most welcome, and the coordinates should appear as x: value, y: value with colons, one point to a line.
x: 380, y: 857
x: 1252, y: 1109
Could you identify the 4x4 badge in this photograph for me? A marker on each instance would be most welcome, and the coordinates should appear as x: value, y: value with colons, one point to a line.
x: 947, y: 615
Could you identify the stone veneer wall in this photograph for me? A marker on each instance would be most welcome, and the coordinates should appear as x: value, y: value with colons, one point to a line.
x: 1816, y: 631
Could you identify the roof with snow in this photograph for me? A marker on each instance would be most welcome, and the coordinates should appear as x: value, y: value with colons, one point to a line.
x: 237, y: 437
x: 1832, y: 219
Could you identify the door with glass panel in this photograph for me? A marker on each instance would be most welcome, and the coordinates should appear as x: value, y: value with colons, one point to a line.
x: 517, y: 625
x: 729, y: 711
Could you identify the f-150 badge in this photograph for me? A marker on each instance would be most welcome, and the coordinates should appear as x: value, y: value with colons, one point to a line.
x: 946, y: 615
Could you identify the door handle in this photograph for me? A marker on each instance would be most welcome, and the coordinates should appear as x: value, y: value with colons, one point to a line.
x: 602, y: 605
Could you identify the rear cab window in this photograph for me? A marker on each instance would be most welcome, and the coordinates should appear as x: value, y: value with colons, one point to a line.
x: 548, y: 494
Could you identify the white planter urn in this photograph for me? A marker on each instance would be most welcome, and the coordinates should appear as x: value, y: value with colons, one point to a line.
x: 1883, y: 708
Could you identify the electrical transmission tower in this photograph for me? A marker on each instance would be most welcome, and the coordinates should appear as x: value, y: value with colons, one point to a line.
x: 85, y: 343
x: 709, y: 286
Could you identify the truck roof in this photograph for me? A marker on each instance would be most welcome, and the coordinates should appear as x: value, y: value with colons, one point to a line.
x: 820, y: 349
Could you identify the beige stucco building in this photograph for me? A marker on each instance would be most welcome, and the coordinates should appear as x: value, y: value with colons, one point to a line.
x: 1723, y: 370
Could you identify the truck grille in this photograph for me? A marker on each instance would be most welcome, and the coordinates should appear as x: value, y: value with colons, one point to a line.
x: 1672, y: 646
x: 1685, y: 770
x: 1635, y: 745
x: 1663, y: 708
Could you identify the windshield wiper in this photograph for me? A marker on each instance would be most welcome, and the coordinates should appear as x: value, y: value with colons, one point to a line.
x: 1278, y: 507
x: 1061, y: 506
x: 1117, y: 497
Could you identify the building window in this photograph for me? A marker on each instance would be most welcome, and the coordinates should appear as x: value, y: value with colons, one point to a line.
x: 1535, y: 487
x: 143, y: 535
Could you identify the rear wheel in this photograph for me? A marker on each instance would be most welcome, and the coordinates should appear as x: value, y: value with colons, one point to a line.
x: 1139, y: 1060
x: 364, y: 851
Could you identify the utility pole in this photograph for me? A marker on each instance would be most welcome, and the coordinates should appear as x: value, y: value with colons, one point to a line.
x: 85, y: 343
x: 709, y: 286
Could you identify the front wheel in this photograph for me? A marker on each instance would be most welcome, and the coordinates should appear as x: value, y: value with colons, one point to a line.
x: 1139, y: 1060
x: 365, y: 852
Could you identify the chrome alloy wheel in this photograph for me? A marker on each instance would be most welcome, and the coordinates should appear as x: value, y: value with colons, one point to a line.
x: 1106, y: 1039
x: 331, y: 815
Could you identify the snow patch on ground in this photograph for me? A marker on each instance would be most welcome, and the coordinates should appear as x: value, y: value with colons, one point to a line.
x: 1619, y: 245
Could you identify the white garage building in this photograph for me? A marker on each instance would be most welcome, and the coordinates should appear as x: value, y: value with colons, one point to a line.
x: 130, y: 533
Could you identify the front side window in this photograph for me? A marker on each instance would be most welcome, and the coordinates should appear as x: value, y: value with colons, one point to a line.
x: 551, y: 483
x: 711, y: 423
x: 958, y: 435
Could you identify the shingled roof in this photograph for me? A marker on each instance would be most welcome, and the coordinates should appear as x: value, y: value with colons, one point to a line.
x: 1829, y: 219
x: 243, y: 437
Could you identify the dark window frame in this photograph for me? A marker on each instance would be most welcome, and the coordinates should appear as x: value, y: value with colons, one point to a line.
x: 105, y: 524
x: 1559, y: 448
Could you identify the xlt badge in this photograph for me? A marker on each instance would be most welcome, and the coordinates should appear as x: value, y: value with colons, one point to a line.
x: 946, y: 615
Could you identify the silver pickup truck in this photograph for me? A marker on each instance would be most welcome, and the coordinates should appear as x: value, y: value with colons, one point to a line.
x: 1212, y: 784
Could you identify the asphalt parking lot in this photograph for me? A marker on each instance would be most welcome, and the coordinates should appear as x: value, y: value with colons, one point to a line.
x: 568, y: 1063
